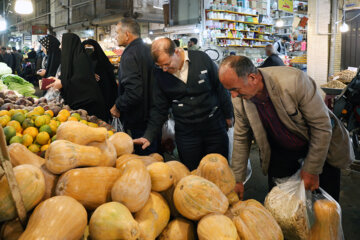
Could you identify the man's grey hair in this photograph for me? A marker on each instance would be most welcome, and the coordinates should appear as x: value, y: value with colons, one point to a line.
x: 131, y: 25
x: 270, y: 48
x: 242, y: 65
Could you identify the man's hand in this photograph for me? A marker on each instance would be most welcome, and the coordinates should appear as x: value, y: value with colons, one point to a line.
x: 311, y: 181
x: 56, y: 85
x: 97, y: 77
x: 239, y: 189
x: 114, y: 111
x: 142, y: 141
x: 230, y: 122
x: 41, y: 72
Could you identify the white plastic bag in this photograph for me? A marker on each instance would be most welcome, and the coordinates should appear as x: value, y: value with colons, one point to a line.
x: 168, y: 136
x: 230, y: 133
x: 53, y: 94
x: 117, y: 125
x: 290, y: 206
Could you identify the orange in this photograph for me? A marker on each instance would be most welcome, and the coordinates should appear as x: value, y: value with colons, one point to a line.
x: 15, y: 124
x: 62, y: 117
x: 32, y: 131
x: 73, y: 119
x: 34, y: 148
x: 43, y: 138
x: 44, y: 147
x: 40, y: 110
x: 4, y: 112
x: 64, y: 112
x: 49, y: 112
x: 4, y: 120
x: 27, y: 140
x: 91, y: 124
x: 110, y: 133
x: 40, y: 120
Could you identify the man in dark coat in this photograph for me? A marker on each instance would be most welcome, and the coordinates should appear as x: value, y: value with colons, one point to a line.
x: 136, y: 80
x: 188, y: 82
x: 273, y: 59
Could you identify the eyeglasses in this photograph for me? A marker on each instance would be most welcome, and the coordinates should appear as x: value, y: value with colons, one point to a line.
x: 163, y: 67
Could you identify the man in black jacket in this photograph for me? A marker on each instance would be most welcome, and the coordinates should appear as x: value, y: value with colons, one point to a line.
x: 135, y: 82
x: 273, y: 59
x: 188, y: 82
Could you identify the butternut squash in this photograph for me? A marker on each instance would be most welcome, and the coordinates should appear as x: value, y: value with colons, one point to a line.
x: 123, y: 143
x: 50, y: 182
x: 56, y: 218
x: 233, y: 197
x: 161, y: 176
x: 216, y: 226
x: 90, y: 186
x: 214, y: 167
x: 62, y: 156
x: 108, y: 153
x: 178, y: 229
x: 169, y: 197
x: 80, y: 133
x: 19, y: 154
x: 153, y: 217
x: 157, y: 156
x: 11, y: 230
x: 179, y: 170
x: 31, y: 184
x: 195, y: 197
x: 133, y: 187
x: 113, y: 221
x: 253, y: 221
x: 327, y: 221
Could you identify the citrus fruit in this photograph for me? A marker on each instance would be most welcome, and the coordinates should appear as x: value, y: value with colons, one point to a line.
x: 44, y: 147
x: 49, y: 112
x: 84, y: 121
x: 16, y: 139
x: 18, y: 117
x: 76, y: 115
x: 32, y: 131
x: 39, y: 121
x: 15, y: 124
x: 27, y: 123
x: 4, y: 112
x: 90, y: 124
x: 47, y: 118
x: 40, y: 110
x: 4, y: 120
x: 62, y: 117
x: 18, y: 134
x: 53, y: 138
x: 9, y: 132
x: 73, y: 119
x: 30, y: 114
x: 13, y: 111
x: 34, y: 148
x: 53, y: 127
x: 110, y: 133
x: 27, y: 140
x: 64, y: 112
x: 45, y: 128
x: 42, y: 138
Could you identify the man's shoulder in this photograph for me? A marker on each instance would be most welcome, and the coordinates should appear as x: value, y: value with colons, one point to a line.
x: 284, y: 76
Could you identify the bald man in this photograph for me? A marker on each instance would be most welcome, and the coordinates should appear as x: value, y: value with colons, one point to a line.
x: 282, y: 110
x: 188, y: 83
x: 273, y: 59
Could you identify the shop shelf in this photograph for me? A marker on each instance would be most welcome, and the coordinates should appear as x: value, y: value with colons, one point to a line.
x: 245, y: 14
x: 227, y: 20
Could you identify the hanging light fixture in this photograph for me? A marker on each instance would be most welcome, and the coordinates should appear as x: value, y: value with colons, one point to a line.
x: 344, y: 27
x: 3, y: 24
x: 279, y: 23
x: 24, y: 6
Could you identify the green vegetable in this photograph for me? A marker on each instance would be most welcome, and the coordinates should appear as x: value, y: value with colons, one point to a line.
x: 16, y: 83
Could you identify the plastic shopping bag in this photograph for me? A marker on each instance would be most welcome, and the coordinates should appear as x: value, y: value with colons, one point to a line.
x: 168, y: 136
x: 53, y: 95
x: 327, y: 213
x: 117, y: 125
x: 230, y: 133
x: 291, y: 206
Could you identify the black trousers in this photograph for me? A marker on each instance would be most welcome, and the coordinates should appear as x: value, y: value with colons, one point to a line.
x: 284, y: 164
x: 194, y: 141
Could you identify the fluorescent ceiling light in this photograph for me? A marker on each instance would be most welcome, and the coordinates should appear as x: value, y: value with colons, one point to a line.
x: 279, y: 23
x: 3, y: 24
x: 158, y: 7
x: 23, y: 6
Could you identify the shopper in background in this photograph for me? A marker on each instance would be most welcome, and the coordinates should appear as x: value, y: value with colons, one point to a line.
x: 51, y: 48
x: 281, y: 109
x: 31, y: 55
x: 273, y: 59
x: 177, y: 42
x: 135, y: 82
x: 280, y: 45
x: 104, y: 72
x: 7, y: 57
x: 18, y: 57
x: 188, y: 83
x: 192, y: 44
x: 77, y: 81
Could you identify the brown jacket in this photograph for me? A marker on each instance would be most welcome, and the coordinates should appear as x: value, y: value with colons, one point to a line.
x: 302, y: 110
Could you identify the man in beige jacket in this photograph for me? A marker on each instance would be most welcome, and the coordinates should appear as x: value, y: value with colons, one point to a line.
x: 281, y: 109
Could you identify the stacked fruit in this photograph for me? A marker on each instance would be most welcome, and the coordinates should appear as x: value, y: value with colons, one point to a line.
x: 36, y: 129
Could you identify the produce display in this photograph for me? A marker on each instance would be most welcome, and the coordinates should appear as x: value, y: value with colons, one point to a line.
x: 334, y: 84
x: 344, y: 76
x: 90, y: 184
x: 299, y: 59
x: 18, y: 84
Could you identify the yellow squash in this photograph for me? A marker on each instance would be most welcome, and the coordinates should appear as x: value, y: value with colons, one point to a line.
x: 31, y: 184
x: 216, y: 226
x: 178, y: 229
x: 50, y: 182
x: 56, y: 218
x: 233, y: 197
x: 108, y: 152
x: 113, y: 221
x: 153, y: 217
x: 123, y: 143
x: 214, y: 167
x: 133, y: 187
x: 63, y: 155
x: 179, y: 170
x: 90, y: 186
x: 161, y: 176
x: 80, y: 133
x: 19, y: 154
x: 195, y: 197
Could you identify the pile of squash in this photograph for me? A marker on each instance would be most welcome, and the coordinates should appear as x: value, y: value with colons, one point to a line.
x: 89, y: 184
